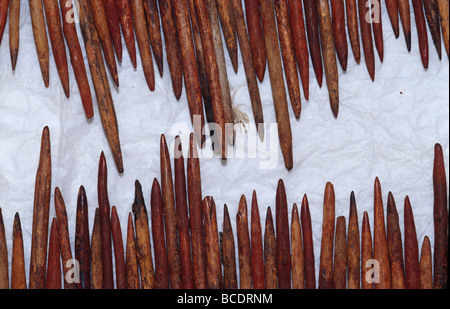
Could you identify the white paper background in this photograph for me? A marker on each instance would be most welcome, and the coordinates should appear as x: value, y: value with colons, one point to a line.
x: 385, y: 128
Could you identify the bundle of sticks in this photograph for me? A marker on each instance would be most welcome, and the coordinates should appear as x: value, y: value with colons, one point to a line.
x: 191, y: 253
x: 280, y: 33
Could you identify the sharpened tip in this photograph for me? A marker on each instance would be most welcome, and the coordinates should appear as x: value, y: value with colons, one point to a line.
x: 14, y: 59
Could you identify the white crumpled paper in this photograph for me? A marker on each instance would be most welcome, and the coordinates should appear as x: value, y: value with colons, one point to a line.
x: 387, y: 128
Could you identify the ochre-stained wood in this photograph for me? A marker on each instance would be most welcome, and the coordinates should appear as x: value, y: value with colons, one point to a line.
x: 82, y: 241
x: 277, y: 81
x: 113, y: 21
x: 14, y: 25
x: 131, y: 262
x: 76, y: 56
x: 308, y: 244
x: 392, y: 9
x: 426, y: 267
x: 18, y: 275
x: 405, y: 18
x: 444, y: 13
x: 4, y: 276
x: 367, y: 267
x: 154, y: 32
x: 328, y: 54
x: 353, y: 28
x: 100, y: 81
x: 105, y: 223
x: 140, y: 29
x: 41, y: 208
x: 212, y: 73
x: 221, y: 65
x: 247, y: 58
x: 300, y: 43
x: 395, y: 247
x: 228, y: 253
x: 297, y: 258
x: 213, y: 264
x: 126, y: 23
x: 380, y: 245
x: 96, y: 254
x: 53, y: 277
x: 312, y: 29
x: 366, y: 38
x: 194, y: 188
x: 143, y: 245
x: 353, y: 247
x: 183, y: 222
x: 421, y: 27
x: 340, y: 255
x: 377, y: 27
x: 283, y: 249
x: 100, y: 19
x: 339, y: 33
x: 256, y: 246
x: 40, y: 37
x: 228, y: 27
x: 63, y: 232
x: 172, y: 45
x: 270, y: 259
x: 190, y: 70
x: 256, y: 37
x: 326, y: 246
x: 119, y: 255
x: 288, y: 55
x: 412, y: 268
x: 440, y: 215
x: 245, y: 259
x: 170, y: 217
x: 57, y: 42
x: 432, y: 14
x: 159, y: 242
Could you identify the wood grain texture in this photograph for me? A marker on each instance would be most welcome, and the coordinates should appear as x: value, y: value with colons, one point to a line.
x: 228, y: 253
x: 412, y: 268
x: 256, y: 37
x: 440, y: 216
x: 143, y: 245
x: 82, y: 241
x: 41, y: 208
x: 277, y: 81
x: 308, y: 244
x: 312, y: 29
x: 4, y: 275
x: 339, y: 33
x: 288, y: 55
x: 57, y: 42
x: 392, y: 9
x: 14, y: 32
x: 270, y: 259
x: 76, y: 56
x: 366, y: 38
x: 353, y: 247
x: 377, y: 27
x: 380, y: 245
x: 172, y: 45
x: 53, y: 277
x: 119, y: 255
x: 340, y: 255
x: 140, y: 29
x: 126, y: 23
x: 432, y: 14
x: 18, y: 275
x: 96, y: 254
x: 353, y: 28
x: 133, y: 281
x: 329, y: 54
x: 228, y: 27
x: 426, y: 265
x: 190, y: 70
x: 154, y: 32
x: 113, y: 20
x: 395, y: 247
x: 283, y: 249
x: 405, y: 18
x: 100, y: 81
x: 40, y: 37
x: 297, y: 258
x: 63, y: 232
x: 213, y: 264
x: 444, y: 13
x: 245, y: 258
x: 300, y: 43
x: 183, y: 221
x: 366, y: 254
x: 326, y: 246
x: 422, y: 35
x: 256, y: 245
